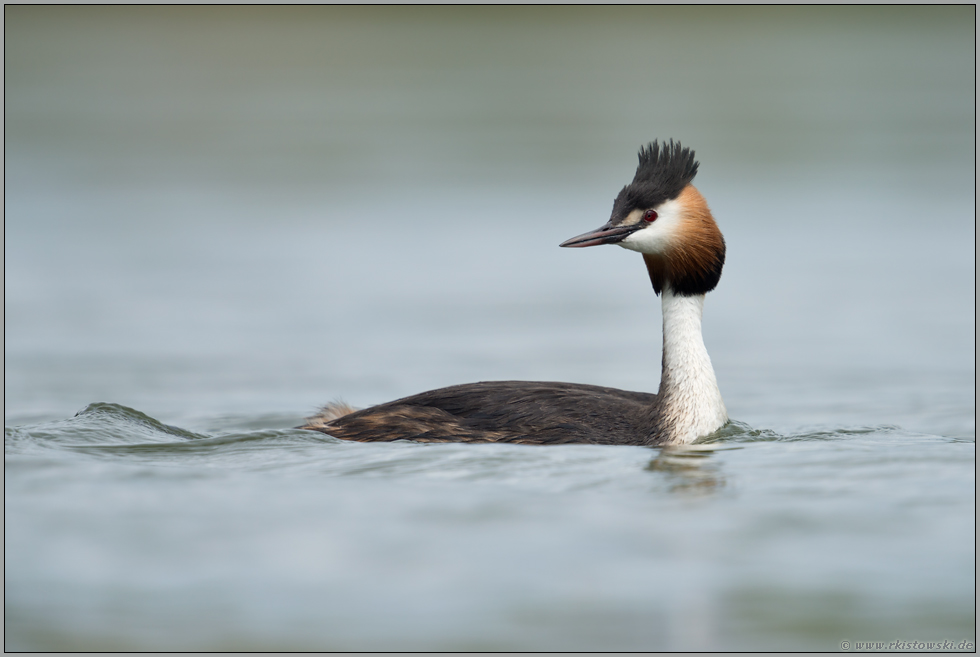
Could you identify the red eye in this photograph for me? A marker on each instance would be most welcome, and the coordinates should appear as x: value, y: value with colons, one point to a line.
x: 649, y: 215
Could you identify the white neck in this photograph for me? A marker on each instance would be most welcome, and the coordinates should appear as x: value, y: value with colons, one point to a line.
x: 690, y: 402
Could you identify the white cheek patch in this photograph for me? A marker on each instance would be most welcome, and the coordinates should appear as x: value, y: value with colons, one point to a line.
x: 660, y: 234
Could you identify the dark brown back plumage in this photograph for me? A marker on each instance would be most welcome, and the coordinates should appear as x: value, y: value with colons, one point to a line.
x: 527, y: 412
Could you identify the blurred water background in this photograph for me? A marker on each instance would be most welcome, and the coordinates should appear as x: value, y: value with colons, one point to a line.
x: 217, y: 219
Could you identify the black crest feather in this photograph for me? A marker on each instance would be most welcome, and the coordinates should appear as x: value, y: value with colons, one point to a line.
x: 664, y: 171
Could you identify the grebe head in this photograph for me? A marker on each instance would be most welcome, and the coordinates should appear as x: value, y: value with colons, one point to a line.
x: 661, y: 215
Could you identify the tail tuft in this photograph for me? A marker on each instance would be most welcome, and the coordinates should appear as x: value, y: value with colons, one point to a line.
x: 327, y: 414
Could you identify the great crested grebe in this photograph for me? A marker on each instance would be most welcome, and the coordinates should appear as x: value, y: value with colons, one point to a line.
x: 661, y: 215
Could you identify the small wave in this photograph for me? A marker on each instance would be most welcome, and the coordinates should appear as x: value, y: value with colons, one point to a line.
x: 736, y: 431
x: 113, y: 428
x: 104, y: 423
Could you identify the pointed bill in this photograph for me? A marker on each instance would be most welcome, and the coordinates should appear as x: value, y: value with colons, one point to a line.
x: 608, y: 234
